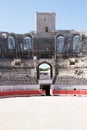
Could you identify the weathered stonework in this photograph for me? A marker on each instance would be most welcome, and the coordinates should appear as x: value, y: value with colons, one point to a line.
x: 45, y: 22
x: 43, y: 47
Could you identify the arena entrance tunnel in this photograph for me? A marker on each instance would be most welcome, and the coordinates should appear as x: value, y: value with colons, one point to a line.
x: 46, y: 87
x: 44, y: 71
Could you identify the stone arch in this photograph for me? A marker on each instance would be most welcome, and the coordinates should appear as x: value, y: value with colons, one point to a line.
x: 60, y: 40
x: 11, y: 42
x: 76, y: 42
x: 38, y: 71
x: 27, y: 43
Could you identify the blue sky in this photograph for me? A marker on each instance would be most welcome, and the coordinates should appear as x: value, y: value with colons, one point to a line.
x: 18, y: 16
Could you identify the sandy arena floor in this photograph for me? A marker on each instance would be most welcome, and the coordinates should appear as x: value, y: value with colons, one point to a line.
x: 43, y: 113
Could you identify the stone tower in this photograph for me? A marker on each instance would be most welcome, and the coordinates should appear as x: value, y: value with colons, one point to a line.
x: 45, y: 22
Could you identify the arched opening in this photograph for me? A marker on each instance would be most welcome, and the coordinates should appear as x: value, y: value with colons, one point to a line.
x: 27, y: 44
x: 11, y: 43
x: 76, y: 43
x: 44, y: 71
x: 46, y: 29
x: 60, y: 44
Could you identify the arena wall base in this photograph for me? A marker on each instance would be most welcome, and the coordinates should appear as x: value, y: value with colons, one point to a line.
x: 69, y: 92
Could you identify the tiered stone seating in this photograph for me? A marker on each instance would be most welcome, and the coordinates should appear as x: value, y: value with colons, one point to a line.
x: 16, y: 76
x: 69, y: 80
x: 18, y: 87
x: 5, y: 62
x: 17, y: 81
x: 70, y: 77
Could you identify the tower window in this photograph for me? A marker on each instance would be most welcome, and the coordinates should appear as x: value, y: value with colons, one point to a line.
x: 46, y: 29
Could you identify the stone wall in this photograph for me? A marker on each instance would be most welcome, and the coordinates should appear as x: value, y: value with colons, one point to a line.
x: 45, y: 21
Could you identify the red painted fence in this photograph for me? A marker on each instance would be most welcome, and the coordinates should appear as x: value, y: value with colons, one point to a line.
x: 22, y: 92
x: 69, y: 92
x: 41, y: 92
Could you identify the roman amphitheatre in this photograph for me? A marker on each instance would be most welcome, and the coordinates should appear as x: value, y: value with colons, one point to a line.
x: 43, y: 62
x: 43, y: 78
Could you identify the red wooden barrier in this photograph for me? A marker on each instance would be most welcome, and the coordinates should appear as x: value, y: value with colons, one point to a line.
x: 42, y: 92
x: 69, y: 92
x: 21, y: 92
